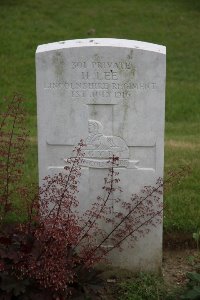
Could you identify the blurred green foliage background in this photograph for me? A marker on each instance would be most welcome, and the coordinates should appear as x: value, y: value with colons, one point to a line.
x: 173, y: 23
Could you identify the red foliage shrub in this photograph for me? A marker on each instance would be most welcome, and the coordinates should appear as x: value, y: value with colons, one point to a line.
x: 57, y: 244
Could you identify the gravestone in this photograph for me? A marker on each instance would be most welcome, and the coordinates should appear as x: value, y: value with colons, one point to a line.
x: 111, y: 93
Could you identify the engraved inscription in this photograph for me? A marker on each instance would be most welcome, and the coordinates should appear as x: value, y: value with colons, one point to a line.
x: 102, y: 146
x: 104, y: 164
x: 99, y: 148
x: 110, y: 75
x: 101, y: 80
x: 103, y: 65
x: 101, y: 85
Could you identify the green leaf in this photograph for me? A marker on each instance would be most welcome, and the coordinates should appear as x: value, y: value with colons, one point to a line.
x: 11, y: 284
x: 194, y: 276
x: 193, y: 294
x: 196, y: 236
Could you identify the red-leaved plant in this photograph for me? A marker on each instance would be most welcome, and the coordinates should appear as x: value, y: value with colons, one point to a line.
x: 51, y: 255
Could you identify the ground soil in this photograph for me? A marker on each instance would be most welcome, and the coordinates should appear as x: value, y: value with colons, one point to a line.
x: 179, y: 257
x: 176, y: 263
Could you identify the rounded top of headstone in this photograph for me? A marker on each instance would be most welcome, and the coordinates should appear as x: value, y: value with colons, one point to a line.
x: 102, y: 42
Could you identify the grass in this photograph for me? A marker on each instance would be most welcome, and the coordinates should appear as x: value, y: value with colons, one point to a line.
x: 140, y: 286
x: 182, y: 147
x: 174, y: 23
x: 144, y: 286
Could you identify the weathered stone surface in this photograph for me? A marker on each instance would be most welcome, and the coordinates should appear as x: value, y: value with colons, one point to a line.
x: 111, y: 93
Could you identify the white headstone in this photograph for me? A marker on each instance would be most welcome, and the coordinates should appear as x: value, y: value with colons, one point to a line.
x: 110, y: 92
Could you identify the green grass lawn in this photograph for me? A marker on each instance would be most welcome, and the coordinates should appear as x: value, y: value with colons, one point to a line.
x: 173, y: 23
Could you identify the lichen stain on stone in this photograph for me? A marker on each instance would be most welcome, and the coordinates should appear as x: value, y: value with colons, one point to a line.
x: 130, y: 55
x: 128, y: 76
x: 94, y: 111
x: 58, y: 63
x: 125, y: 108
x: 97, y: 58
x: 129, y: 73
x: 42, y: 61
